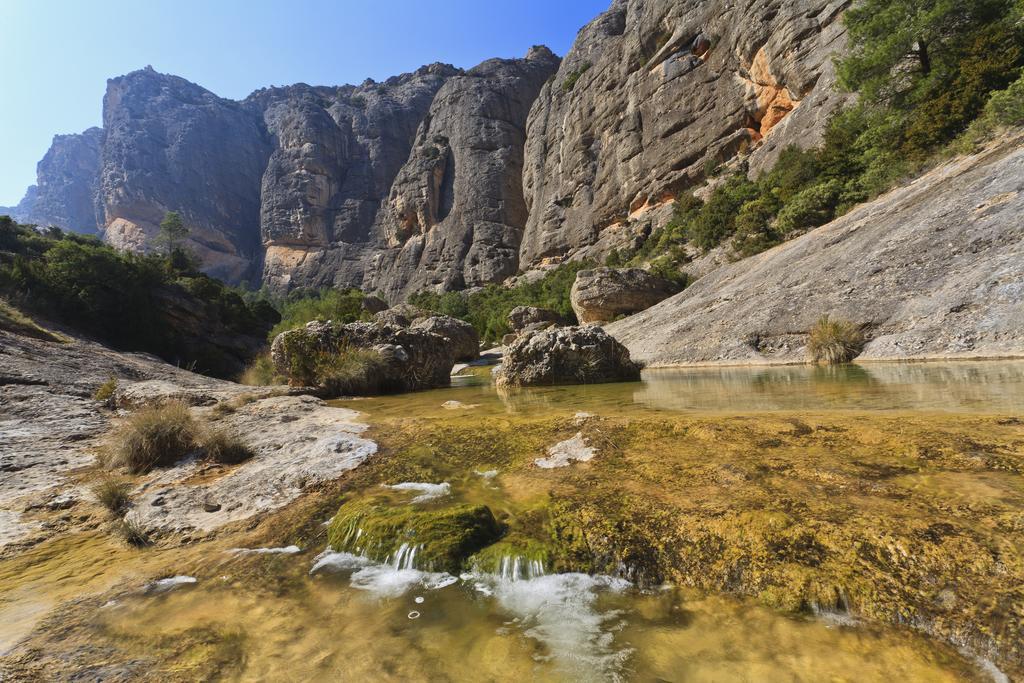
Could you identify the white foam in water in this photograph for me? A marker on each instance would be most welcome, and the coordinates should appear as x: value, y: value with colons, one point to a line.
x: 487, y: 474
x: 170, y: 583
x: 390, y: 579
x: 287, y: 550
x: 559, y: 611
x: 427, y: 491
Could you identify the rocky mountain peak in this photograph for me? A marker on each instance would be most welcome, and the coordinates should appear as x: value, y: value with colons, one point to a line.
x: 444, y: 178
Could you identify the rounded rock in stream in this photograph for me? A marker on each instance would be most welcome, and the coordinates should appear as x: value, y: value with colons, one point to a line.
x: 436, y: 540
x: 566, y: 355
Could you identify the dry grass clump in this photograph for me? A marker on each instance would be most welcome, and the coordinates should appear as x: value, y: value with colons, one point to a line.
x: 13, y: 320
x: 262, y: 373
x: 834, y: 341
x: 154, y: 436
x: 113, y: 494
x: 105, y: 392
x: 232, y: 405
x: 131, y: 531
x: 225, y: 448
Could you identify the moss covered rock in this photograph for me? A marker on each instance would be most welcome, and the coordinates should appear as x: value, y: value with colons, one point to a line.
x: 443, y: 538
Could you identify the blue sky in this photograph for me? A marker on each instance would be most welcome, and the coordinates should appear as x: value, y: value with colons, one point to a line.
x: 58, y: 54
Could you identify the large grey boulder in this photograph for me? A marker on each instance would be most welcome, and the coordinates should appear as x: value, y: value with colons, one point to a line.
x: 522, y: 317
x: 398, y: 359
x: 604, y: 294
x: 461, y: 335
x: 566, y: 355
x: 401, y: 315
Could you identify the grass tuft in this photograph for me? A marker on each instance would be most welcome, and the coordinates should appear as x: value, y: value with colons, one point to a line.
x: 130, y: 529
x: 113, y: 494
x: 225, y: 448
x: 154, y: 436
x: 834, y: 341
x: 105, y: 392
x: 261, y: 373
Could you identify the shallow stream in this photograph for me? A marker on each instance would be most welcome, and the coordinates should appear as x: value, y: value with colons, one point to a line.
x: 708, y: 443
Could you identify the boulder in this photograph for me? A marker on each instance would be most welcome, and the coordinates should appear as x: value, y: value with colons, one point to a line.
x: 401, y: 315
x: 566, y: 355
x: 462, y: 336
x: 444, y: 537
x: 374, y: 304
x: 397, y: 359
x: 604, y: 294
x: 520, y: 317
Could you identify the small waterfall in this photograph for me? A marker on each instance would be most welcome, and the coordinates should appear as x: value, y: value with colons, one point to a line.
x: 520, y: 567
x: 404, y: 557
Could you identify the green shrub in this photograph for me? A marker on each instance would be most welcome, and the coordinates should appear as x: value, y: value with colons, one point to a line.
x: 129, y: 301
x: 716, y: 219
x: 487, y: 309
x: 834, y: 341
x: 154, y: 436
x: 303, y: 306
x: 113, y: 494
x: 570, y: 79
x: 810, y: 208
x: 1007, y: 106
x: 227, y: 449
x: 1004, y: 109
x: 667, y: 267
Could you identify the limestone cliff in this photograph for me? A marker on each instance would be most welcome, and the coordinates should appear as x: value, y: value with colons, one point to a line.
x: 171, y: 145
x: 455, y: 214
x: 654, y: 93
x: 445, y: 179
x: 336, y: 152
x: 65, y: 190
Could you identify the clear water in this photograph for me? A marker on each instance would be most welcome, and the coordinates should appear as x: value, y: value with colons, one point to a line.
x: 313, y: 615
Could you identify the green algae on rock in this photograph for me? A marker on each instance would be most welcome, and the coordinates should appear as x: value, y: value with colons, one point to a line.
x: 437, y: 539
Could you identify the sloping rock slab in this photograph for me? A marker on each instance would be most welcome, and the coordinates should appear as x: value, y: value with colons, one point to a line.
x: 298, y: 442
x: 934, y: 269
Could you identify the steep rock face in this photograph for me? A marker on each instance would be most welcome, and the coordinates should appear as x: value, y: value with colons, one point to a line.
x: 65, y: 189
x: 174, y: 146
x: 655, y: 91
x: 934, y: 269
x: 336, y: 153
x: 455, y: 214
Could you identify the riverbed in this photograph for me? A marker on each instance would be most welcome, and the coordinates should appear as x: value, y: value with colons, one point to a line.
x: 863, y: 523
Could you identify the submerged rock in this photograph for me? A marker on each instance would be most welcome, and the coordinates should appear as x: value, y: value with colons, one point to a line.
x: 434, y: 540
x: 566, y: 355
x: 564, y: 452
x: 604, y: 294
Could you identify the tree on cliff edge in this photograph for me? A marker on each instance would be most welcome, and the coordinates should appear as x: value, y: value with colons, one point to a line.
x: 172, y: 233
x: 897, y: 44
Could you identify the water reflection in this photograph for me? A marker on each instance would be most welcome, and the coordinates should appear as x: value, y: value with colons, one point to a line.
x: 979, y: 386
x: 974, y: 386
